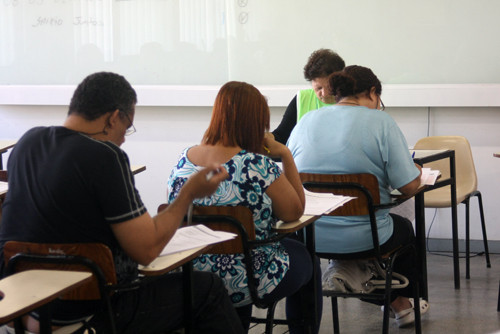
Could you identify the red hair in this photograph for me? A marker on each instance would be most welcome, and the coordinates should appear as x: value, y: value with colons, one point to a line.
x: 240, y: 117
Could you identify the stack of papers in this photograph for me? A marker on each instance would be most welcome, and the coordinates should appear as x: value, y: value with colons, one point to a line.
x: 429, y: 176
x: 323, y: 203
x: 4, y: 186
x: 194, y: 236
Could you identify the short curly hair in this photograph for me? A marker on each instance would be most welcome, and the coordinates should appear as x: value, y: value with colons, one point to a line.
x: 100, y: 93
x: 322, y: 63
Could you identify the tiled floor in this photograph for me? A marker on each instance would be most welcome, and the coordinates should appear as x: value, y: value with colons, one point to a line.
x: 472, y: 309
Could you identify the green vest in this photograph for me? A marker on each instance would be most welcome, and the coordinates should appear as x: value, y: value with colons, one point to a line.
x: 307, y: 101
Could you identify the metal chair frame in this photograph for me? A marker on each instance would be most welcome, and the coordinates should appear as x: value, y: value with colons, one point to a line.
x: 338, y: 185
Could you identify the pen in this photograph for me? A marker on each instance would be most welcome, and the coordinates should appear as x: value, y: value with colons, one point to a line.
x: 209, y: 175
x: 413, y: 155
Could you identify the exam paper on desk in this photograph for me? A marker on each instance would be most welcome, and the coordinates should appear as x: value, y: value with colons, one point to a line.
x: 323, y: 203
x: 4, y: 186
x: 194, y: 236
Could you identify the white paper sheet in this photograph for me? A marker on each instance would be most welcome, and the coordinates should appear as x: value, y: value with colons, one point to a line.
x: 429, y: 176
x: 323, y: 203
x: 194, y: 236
x: 3, y: 187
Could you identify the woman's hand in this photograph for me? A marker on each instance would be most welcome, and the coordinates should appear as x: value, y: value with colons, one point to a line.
x: 273, y: 148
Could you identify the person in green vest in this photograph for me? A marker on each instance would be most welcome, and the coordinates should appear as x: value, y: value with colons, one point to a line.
x: 320, y: 65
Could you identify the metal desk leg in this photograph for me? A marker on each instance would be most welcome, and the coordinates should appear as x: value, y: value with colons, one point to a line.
x: 454, y: 221
x: 420, y: 243
x: 311, y: 247
x: 187, y: 272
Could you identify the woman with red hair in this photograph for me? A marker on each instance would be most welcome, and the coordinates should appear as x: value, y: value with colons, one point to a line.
x: 236, y: 139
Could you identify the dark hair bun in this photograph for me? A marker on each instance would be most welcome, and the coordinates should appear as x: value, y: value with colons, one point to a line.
x: 342, y: 84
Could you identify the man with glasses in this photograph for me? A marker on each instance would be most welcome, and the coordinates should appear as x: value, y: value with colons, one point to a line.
x: 73, y: 184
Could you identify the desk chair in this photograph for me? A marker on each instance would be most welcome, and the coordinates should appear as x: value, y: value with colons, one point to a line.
x: 238, y: 220
x: 466, y: 180
x: 91, y: 257
x: 365, y: 189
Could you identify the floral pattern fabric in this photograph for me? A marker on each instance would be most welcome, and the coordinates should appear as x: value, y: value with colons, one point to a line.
x: 249, y: 176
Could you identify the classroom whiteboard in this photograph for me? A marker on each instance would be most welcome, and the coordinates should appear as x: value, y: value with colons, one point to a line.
x: 264, y: 42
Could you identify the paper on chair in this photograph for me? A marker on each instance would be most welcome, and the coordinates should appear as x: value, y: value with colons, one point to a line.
x: 323, y: 203
x: 194, y: 236
x: 4, y: 186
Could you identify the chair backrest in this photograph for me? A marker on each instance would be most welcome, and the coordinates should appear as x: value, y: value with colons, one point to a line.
x: 66, y: 257
x: 363, y: 186
x: 356, y: 207
x: 466, y: 178
x: 234, y: 219
x: 224, y: 218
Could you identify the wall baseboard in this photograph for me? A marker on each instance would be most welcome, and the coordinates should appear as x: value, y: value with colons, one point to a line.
x: 476, y: 246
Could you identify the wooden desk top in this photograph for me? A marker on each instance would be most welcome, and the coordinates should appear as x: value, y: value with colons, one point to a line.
x: 290, y: 227
x: 5, y: 144
x: 28, y: 290
x: 136, y: 169
x: 166, y: 263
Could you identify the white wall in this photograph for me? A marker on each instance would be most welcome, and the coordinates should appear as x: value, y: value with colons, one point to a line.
x: 162, y: 133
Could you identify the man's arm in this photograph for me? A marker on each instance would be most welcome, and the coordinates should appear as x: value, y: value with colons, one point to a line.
x: 144, y: 237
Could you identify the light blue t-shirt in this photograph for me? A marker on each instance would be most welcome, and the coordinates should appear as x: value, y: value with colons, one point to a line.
x: 345, y: 140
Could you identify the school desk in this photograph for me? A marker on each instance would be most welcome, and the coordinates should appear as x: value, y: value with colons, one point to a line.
x: 28, y: 290
x: 5, y: 145
x: 136, y: 169
x: 421, y: 157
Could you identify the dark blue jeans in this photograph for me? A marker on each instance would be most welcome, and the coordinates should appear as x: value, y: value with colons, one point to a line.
x: 291, y: 286
x: 157, y: 307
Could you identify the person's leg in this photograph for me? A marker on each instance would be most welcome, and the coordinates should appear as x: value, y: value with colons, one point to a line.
x: 298, y: 275
x: 245, y: 315
x: 158, y: 306
x: 402, y: 235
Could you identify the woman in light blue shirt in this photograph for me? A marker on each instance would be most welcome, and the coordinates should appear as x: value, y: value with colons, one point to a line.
x: 354, y: 136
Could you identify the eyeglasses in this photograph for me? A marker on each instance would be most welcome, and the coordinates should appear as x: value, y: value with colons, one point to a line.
x: 382, y: 107
x: 131, y: 128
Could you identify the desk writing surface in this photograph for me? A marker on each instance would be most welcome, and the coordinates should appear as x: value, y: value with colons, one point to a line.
x: 136, y: 169
x: 164, y: 264
x: 288, y: 227
x: 5, y: 144
x: 27, y: 290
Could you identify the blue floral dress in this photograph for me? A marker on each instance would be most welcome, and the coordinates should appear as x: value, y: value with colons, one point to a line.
x: 249, y: 176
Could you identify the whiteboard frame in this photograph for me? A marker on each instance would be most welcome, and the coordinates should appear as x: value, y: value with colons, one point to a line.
x: 394, y: 95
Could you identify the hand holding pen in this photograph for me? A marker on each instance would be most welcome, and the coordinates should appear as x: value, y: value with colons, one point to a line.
x: 271, y: 147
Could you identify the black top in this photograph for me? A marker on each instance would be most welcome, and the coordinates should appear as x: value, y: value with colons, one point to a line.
x: 282, y: 132
x: 65, y: 187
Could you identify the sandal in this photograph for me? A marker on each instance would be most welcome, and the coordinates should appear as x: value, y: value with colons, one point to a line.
x: 407, y: 317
